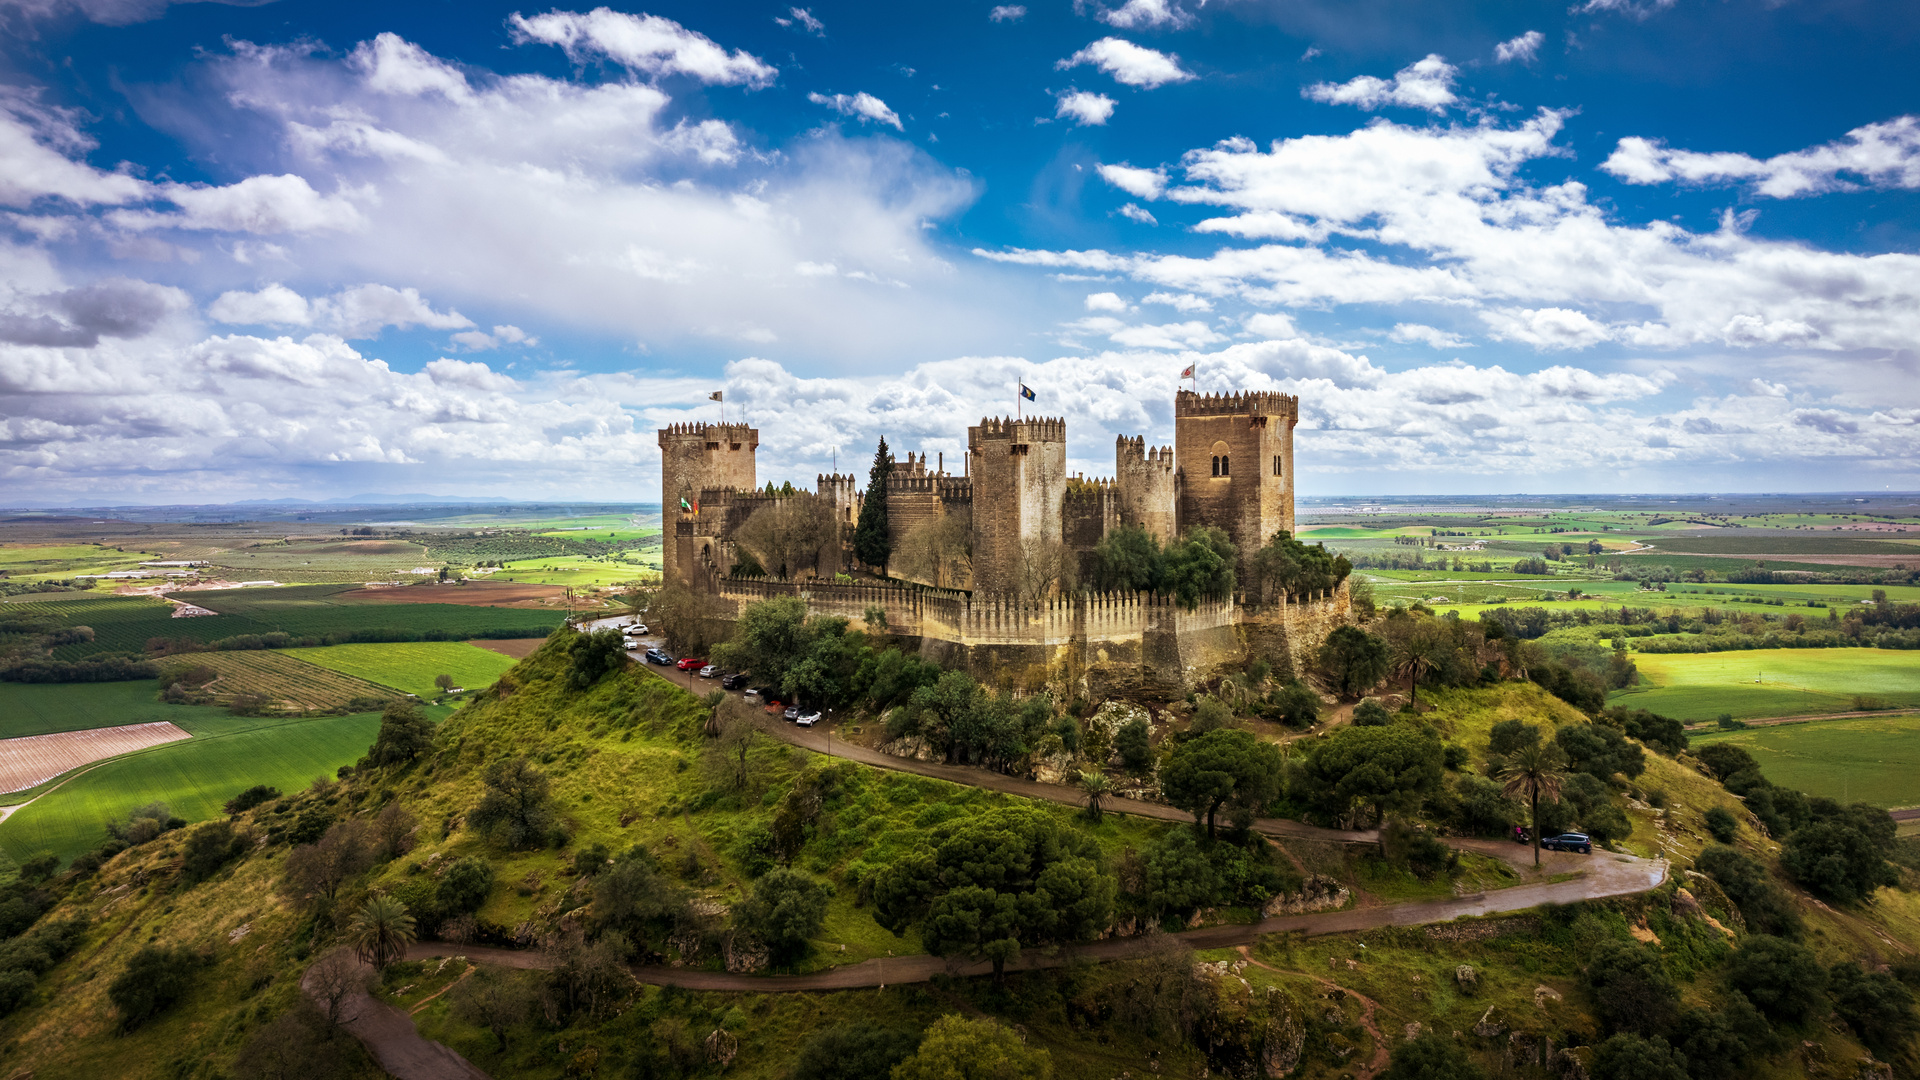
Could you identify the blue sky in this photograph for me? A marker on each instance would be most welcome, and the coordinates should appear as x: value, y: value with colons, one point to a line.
x: 313, y: 250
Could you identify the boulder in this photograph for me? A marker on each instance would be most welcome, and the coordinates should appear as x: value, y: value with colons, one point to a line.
x: 1286, y: 1035
x: 746, y: 954
x: 909, y: 746
x: 1468, y: 979
x: 1317, y: 893
x: 1413, y: 1030
x: 1492, y: 1023
x: 1869, y: 1069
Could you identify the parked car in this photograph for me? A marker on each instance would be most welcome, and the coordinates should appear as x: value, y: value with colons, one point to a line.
x: 637, y: 628
x: 655, y: 656
x: 753, y: 693
x: 808, y: 719
x: 711, y: 671
x: 733, y: 681
x: 774, y: 706
x: 692, y: 663
x: 1573, y: 841
x: 792, y: 713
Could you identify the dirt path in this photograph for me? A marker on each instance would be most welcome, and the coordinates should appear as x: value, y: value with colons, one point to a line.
x: 1382, y: 1050
x: 398, y: 1047
x: 1714, y: 725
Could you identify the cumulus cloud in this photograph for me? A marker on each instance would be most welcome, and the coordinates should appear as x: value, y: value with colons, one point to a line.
x: 479, y: 341
x: 42, y: 156
x: 1525, y: 48
x: 644, y: 43
x: 264, y: 205
x: 1179, y: 301
x: 1545, y: 328
x: 1637, y: 9
x: 1425, y: 84
x: 862, y: 106
x: 806, y: 20
x: 1430, y: 336
x: 1084, y: 108
x: 1146, y: 14
x: 80, y: 317
x: 1882, y: 155
x: 1140, y: 183
x: 359, y: 312
x: 1138, y: 213
x: 1134, y: 65
x: 1106, y: 301
x: 1007, y: 13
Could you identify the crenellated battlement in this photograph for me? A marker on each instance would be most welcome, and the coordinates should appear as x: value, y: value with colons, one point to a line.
x: 1249, y: 403
x: 1080, y: 486
x: 1027, y: 429
x: 727, y: 433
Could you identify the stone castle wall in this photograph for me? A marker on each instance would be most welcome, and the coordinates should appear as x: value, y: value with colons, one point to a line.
x: 1234, y: 453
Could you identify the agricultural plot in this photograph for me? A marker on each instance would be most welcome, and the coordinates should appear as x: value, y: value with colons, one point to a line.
x: 411, y: 666
x: 37, y: 759
x: 284, y: 679
x: 323, y: 560
x: 1769, y: 682
x: 44, y: 708
x: 194, y: 778
x: 125, y: 624
x: 1870, y: 759
x: 316, y: 611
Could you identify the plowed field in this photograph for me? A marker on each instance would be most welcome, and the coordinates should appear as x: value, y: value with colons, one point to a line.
x: 36, y: 759
x: 284, y: 679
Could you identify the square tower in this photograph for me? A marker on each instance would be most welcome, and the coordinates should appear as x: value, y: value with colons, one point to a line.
x: 1234, y: 455
x: 694, y: 458
x: 1143, y: 476
x: 1019, y: 473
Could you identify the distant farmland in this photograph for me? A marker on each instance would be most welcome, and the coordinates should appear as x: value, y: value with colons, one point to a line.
x: 1701, y: 686
x: 411, y: 666
x: 1869, y: 759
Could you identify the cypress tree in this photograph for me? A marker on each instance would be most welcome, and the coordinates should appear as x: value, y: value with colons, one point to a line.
x: 872, y: 544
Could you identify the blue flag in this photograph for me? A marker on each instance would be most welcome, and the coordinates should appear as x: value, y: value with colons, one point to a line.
x: 1026, y: 393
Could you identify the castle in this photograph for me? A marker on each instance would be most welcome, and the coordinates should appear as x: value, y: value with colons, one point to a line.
x: 978, y: 557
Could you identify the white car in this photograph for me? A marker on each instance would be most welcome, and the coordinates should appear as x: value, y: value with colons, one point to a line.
x: 637, y: 628
x: 808, y: 719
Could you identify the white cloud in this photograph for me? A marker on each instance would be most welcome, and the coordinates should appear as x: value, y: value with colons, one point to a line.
x: 805, y: 18
x: 1149, y: 14
x: 1134, y: 65
x: 1638, y: 9
x: 645, y: 43
x: 1271, y: 325
x: 1140, y: 183
x: 1425, y: 84
x: 863, y: 106
x: 359, y: 312
x: 390, y: 64
x: 469, y: 373
x: 1007, y: 13
x: 1525, y: 48
x: 39, y: 146
x: 1084, y: 107
x: 1172, y: 337
x: 502, y: 335
x: 274, y: 305
x: 1180, y: 301
x: 263, y: 205
x: 1106, y: 301
x: 1432, y: 337
x: 1545, y: 328
x: 1138, y: 213
x: 1882, y: 155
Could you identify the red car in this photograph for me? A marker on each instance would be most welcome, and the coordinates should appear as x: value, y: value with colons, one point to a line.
x: 691, y: 664
x: 774, y: 708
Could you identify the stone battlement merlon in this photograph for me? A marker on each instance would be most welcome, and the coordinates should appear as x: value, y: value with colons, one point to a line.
x: 1250, y: 403
x: 710, y: 433
x: 1081, y: 486
x: 1028, y: 429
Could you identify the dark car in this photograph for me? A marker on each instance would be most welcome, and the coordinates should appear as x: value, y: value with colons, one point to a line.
x: 655, y: 656
x: 1573, y: 841
x: 732, y: 682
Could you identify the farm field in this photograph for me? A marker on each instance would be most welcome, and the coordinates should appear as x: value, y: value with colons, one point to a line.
x: 1869, y: 759
x: 479, y: 593
x: 1701, y: 686
x: 411, y: 666
x: 578, y: 571
x: 285, y: 679
x: 36, y: 759
x: 45, y: 708
x: 194, y: 778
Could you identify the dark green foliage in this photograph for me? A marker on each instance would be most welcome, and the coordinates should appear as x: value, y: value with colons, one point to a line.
x: 1221, y: 770
x: 1199, y: 566
x: 1127, y: 559
x: 104, y: 667
x: 464, y: 886
x: 1185, y: 872
x: 1353, y: 660
x: 1386, y: 768
x: 17, y: 913
x: 1764, y: 905
x: 1481, y: 808
x: 1408, y: 848
x: 785, y: 910
x: 1211, y: 714
x: 154, y: 979
x: 634, y: 897
x: 1842, y: 856
x: 890, y: 676
x: 1629, y: 1057
x: 1631, y: 989
x: 989, y: 884
x: 39, y: 867
x: 1287, y: 565
x: 405, y: 734
x: 1133, y: 740
x: 872, y: 538
x: 591, y: 860
x: 1370, y: 713
x: 1577, y: 686
x: 1295, y: 705
x: 299, y: 1044
x: 1431, y: 1056
x: 1663, y: 733
x: 1722, y: 824
x: 309, y: 825
x: 1600, y: 751
x: 1592, y: 803
x: 15, y: 987
x: 1726, y: 759
x: 1780, y: 977
x: 1719, y: 1040
x: 514, y: 812
x: 1874, y: 1004
x: 591, y: 657
x: 208, y: 848
x: 1511, y: 735
x: 856, y: 1051
x: 251, y: 798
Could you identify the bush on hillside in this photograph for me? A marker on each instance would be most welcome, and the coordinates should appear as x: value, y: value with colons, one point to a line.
x: 1841, y: 855
x: 854, y: 1051
x: 154, y: 979
x: 1722, y: 824
x: 405, y: 734
x: 1764, y: 905
x: 1631, y: 989
x: 1431, y: 1056
x: 1780, y: 977
x: 514, y: 812
x: 210, y: 847
x: 464, y: 886
x: 250, y: 798
x: 1874, y: 1004
x: 1630, y: 1057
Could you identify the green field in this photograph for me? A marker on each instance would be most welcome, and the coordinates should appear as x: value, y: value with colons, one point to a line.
x: 194, y: 778
x: 411, y: 666
x: 579, y: 570
x: 44, y: 708
x: 1871, y: 759
x: 1701, y: 686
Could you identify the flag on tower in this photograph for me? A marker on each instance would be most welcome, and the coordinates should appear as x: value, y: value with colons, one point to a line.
x: 715, y: 396
x: 684, y: 507
x: 1187, y: 374
x: 1026, y: 392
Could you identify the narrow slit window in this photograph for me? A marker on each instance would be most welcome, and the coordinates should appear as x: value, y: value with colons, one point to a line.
x: 1216, y: 464
x: 1223, y: 465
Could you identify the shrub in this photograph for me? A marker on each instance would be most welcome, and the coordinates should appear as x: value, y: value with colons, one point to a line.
x: 785, y: 910
x: 15, y: 987
x: 154, y: 979
x: 1133, y: 742
x: 1781, y: 978
x: 405, y: 733
x: 1371, y: 713
x: 1431, y: 1056
x: 957, y: 1048
x: 1874, y: 1004
x: 1722, y: 824
x: 1629, y: 1057
x: 464, y: 886
x: 1842, y: 858
x: 514, y: 811
x: 1295, y: 705
x: 1630, y: 987
x: 1764, y: 905
x: 1212, y: 714
x: 858, y: 1051
x: 250, y: 798
x: 210, y: 847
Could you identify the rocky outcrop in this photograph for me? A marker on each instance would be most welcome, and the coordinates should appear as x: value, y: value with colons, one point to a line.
x: 746, y: 954
x: 1317, y: 893
x: 910, y: 746
x: 1467, y: 978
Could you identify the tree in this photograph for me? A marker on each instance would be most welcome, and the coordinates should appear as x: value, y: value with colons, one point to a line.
x: 1219, y: 769
x: 1510, y: 735
x: 1370, y: 713
x: 939, y: 552
x: 794, y: 533
x: 444, y: 682
x: 208, y: 848
x: 856, y: 1051
x: 958, y: 1048
x: 1531, y: 772
x: 1096, y: 787
x: 154, y: 979
x: 872, y: 540
x: 632, y: 894
x: 1722, y: 824
x: 770, y: 637
x: 320, y: 868
x: 1630, y: 987
x: 1287, y: 565
x: 1424, y: 648
x: 464, y: 886
x: 1629, y: 1057
x: 1780, y: 977
x: 1600, y: 751
x: 514, y: 811
x: 333, y: 979
x: 405, y: 733
x: 1353, y: 660
x: 1842, y: 856
x: 1133, y: 741
x: 382, y: 930
x: 249, y: 799
x: 1045, y: 569
x: 1431, y: 1056
x: 738, y: 736
x: 1764, y: 905
x: 1295, y: 705
x: 1211, y: 714
x: 391, y: 835
x: 493, y: 999
x: 1127, y: 559
x: 1199, y: 566
x: 1874, y: 1004
x: 785, y: 910
x: 296, y: 1045
x: 594, y: 655
x: 1387, y: 768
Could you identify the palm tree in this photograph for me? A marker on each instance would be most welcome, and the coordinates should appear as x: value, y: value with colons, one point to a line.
x: 1417, y: 657
x: 382, y: 931
x: 1097, y: 787
x: 1535, y: 771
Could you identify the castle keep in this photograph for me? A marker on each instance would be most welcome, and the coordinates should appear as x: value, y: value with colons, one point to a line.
x: 978, y: 556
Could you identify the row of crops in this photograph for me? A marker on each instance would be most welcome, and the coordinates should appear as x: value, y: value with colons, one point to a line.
x: 301, y: 686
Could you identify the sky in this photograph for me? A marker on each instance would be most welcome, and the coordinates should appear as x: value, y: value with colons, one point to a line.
x: 312, y: 250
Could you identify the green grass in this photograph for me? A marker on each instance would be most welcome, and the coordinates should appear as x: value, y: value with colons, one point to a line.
x: 1870, y: 759
x: 1701, y: 686
x: 411, y: 666
x: 45, y: 708
x: 194, y: 778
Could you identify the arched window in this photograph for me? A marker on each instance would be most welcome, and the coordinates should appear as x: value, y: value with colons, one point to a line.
x: 1220, y: 451
x: 1216, y: 464
x: 1223, y: 465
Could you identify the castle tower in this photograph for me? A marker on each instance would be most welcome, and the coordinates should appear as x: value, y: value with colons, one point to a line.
x: 693, y: 458
x: 1143, y: 477
x: 1019, y: 473
x: 1234, y: 456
